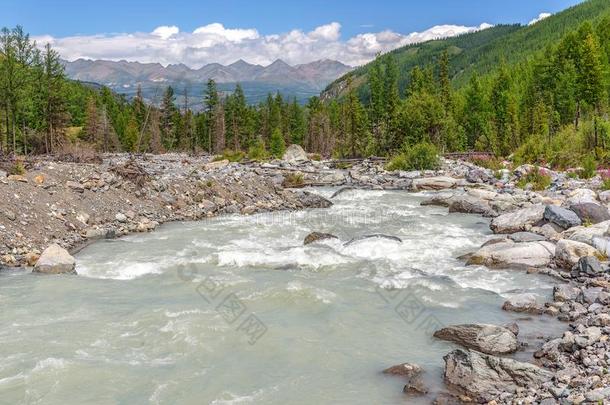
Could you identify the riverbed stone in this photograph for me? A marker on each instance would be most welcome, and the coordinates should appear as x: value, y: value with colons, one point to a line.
x: 484, y: 377
x: 441, y: 199
x: 523, y: 303
x: 565, y: 293
x: 568, y: 252
x: 563, y: 217
x: 317, y: 236
x: 55, y: 260
x: 585, y: 234
x: 407, y: 370
x: 590, y: 266
x: 485, y: 338
x: 434, y: 183
x: 526, y: 237
x: 514, y: 255
x: 590, y: 212
x: 470, y: 205
x: 521, y: 220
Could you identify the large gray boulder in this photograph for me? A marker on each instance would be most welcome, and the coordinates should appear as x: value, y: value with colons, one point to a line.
x: 568, y: 252
x: 295, y: 154
x: 470, y: 205
x: 563, y: 217
x: 484, y: 378
x: 589, y: 212
x: 520, y: 220
x: 508, y: 254
x: 523, y: 303
x: 490, y: 339
x: 586, y: 234
x: 434, y: 183
x: 55, y: 260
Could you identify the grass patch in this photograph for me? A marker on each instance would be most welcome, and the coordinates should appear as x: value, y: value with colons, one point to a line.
x: 294, y: 180
x: 421, y: 156
x: 537, y: 179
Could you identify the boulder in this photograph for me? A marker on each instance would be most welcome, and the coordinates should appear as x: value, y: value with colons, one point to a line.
x: 520, y: 237
x: 483, y: 377
x: 442, y: 199
x: 295, y: 154
x: 490, y: 339
x: 470, y: 205
x: 590, y: 266
x: 55, y: 260
x: 509, y: 254
x: 581, y: 195
x: 589, y: 212
x: 523, y: 303
x: 434, y: 183
x: 312, y: 200
x: 407, y: 370
x: 317, y: 236
x: 586, y: 234
x: 521, y: 220
x: 568, y: 252
x: 565, y: 292
x: 215, y: 165
x: 563, y: 217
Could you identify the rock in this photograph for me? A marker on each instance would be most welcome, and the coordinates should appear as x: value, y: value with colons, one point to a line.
x: 581, y: 195
x: 590, y: 266
x: 513, y: 327
x: 522, y: 303
x: 490, y: 339
x: 520, y: 237
x: 478, y: 176
x: 568, y: 252
x: 434, y: 183
x: 470, y: 205
x: 219, y: 164
x: 604, y: 197
x: 407, y: 370
x: 565, y: 292
x: 10, y: 215
x: 563, y: 217
x: 415, y: 386
x: 514, y: 255
x: 442, y: 199
x: 589, y: 212
x: 549, y: 231
x: 317, y: 236
x: 520, y: 220
x: 17, y: 177
x: 121, y: 217
x: 483, y: 377
x: 31, y: 258
x: 312, y: 200
x: 55, y: 260
x: 83, y: 217
x: 74, y: 186
x: 373, y: 236
x: 586, y: 234
x: 295, y: 154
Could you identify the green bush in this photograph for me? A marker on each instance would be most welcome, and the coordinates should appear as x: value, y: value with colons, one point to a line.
x: 421, y: 156
x: 277, y: 145
x: 537, y: 178
x: 18, y: 168
x: 606, y: 184
x: 589, y: 167
x: 492, y: 163
x: 294, y: 180
x: 230, y: 155
x: 257, y: 151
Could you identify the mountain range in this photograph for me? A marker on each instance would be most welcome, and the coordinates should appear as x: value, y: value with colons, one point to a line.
x: 300, y: 81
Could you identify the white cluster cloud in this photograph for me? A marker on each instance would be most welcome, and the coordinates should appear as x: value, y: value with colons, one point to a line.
x: 216, y: 43
x: 540, y: 17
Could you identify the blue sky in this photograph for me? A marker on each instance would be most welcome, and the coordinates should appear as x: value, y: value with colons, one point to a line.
x: 200, y: 32
x: 63, y: 17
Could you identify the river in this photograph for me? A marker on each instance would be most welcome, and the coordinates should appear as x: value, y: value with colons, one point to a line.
x: 235, y: 310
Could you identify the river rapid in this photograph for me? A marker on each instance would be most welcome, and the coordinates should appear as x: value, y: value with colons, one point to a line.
x: 235, y: 310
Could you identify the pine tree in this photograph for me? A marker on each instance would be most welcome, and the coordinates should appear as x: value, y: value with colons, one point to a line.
x: 445, y: 83
x: 476, y: 114
x: 277, y: 146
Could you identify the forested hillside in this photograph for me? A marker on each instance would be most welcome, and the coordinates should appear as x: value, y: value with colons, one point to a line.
x: 479, y: 51
x: 539, y: 92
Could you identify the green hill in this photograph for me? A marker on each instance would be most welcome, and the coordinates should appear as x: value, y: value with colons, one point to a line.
x: 480, y: 51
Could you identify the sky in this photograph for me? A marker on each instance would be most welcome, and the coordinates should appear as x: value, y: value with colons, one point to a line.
x: 197, y: 32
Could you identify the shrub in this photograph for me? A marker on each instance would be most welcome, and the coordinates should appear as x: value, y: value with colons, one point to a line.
x: 257, y: 151
x: 277, y: 146
x: 230, y: 155
x: 538, y: 179
x: 589, y: 167
x: 294, y: 180
x: 316, y: 156
x: 421, y: 156
x: 492, y: 163
x: 18, y: 168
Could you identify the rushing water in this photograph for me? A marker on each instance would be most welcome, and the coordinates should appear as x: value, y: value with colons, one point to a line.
x: 236, y: 310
